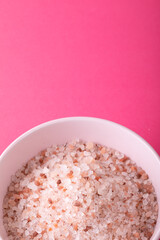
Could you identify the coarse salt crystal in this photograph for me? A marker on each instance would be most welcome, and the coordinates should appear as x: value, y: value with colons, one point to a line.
x: 32, y: 186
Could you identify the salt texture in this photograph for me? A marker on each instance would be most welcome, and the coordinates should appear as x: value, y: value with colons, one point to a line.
x: 80, y: 191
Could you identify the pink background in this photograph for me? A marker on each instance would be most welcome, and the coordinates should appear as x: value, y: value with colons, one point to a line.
x: 97, y: 58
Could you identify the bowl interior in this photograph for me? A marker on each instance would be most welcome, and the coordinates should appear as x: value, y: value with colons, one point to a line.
x: 88, y: 129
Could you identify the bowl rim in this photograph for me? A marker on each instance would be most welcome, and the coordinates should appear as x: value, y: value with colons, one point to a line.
x: 83, y: 118
x: 66, y: 119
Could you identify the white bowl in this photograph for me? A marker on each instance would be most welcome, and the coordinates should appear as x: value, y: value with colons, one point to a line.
x: 89, y: 129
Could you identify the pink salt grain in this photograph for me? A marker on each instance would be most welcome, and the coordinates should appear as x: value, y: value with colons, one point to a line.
x: 80, y: 191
